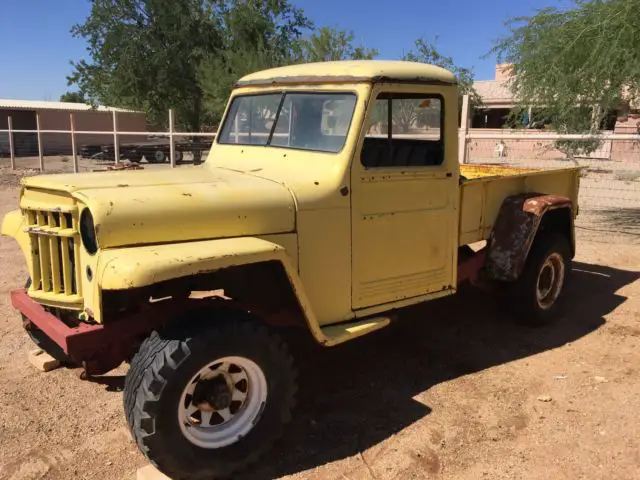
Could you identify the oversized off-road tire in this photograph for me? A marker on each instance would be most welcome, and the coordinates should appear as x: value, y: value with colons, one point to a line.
x: 205, y: 401
x: 42, y: 341
x: 537, y: 295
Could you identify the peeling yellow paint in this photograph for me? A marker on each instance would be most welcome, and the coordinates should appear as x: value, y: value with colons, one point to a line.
x: 354, y: 241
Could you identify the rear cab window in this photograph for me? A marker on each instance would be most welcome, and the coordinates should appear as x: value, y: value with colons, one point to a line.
x: 405, y: 129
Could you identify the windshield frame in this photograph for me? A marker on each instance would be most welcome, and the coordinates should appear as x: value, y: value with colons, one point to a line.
x: 283, y: 94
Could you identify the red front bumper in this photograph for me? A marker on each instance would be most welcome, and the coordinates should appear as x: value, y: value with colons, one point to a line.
x: 77, y: 342
x: 99, y: 347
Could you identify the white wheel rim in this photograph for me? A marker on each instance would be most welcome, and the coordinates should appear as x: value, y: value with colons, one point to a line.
x: 210, y: 427
x: 550, y: 281
x: 159, y: 155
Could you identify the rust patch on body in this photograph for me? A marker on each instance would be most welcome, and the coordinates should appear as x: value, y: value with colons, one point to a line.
x: 479, y: 171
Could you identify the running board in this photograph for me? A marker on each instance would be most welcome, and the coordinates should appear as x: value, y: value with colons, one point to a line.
x: 336, y: 334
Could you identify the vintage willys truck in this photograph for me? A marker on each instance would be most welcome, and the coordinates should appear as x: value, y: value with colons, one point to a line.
x: 331, y: 197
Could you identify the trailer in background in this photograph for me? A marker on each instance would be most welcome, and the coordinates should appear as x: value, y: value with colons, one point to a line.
x: 154, y: 150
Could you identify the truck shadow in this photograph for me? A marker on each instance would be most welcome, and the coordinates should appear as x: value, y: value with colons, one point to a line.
x: 357, y: 395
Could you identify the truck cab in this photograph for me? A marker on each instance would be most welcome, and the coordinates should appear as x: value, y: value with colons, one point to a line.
x: 331, y: 197
x: 368, y: 197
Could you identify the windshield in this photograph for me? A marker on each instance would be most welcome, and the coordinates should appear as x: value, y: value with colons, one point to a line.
x: 305, y: 121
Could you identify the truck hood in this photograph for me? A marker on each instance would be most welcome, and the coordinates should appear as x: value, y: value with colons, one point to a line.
x: 143, y: 207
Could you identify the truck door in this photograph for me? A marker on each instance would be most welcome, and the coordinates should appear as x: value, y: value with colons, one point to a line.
x: 404, y: 181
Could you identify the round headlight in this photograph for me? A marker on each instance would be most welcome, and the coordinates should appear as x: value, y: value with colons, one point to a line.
x: 88, y: 232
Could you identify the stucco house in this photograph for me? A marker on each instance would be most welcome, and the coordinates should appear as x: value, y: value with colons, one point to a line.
x: 498, y: 102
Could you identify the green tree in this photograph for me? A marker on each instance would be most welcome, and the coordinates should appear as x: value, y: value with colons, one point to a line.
x: 406, y: 112
x: 329, y: 44
x: 73, y: 97
x: 576, y: 64
x: 154, y: 55
x: 145, y: 55
x: 255, y: 35
x: 426, y: 52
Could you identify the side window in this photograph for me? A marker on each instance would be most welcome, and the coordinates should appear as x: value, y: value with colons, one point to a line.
x: 416, y: 134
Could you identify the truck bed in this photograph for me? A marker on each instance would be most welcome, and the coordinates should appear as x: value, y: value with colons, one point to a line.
x: 484, y: 187
x: 480, y: 171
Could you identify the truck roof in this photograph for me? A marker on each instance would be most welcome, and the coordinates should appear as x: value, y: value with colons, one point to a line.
x: 351, y: 71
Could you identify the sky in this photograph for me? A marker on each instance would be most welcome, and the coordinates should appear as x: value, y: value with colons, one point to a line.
x: 37, y: 46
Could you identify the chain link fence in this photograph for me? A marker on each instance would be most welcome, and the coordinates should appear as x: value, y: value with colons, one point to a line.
x: 609, y: 197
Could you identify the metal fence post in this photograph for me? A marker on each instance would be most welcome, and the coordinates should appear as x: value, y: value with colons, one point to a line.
x: 40, y: 156
x: 172, y: 145
x: 73, y: 143
x: 12, y: 153
x: 464, y: 130
x: 116, y: 143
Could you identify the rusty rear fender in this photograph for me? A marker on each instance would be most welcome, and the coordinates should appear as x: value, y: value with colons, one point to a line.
x: 519, y: 220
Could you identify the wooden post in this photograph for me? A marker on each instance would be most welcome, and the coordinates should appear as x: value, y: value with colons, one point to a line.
x: 464, y: 130
x: 73, y: 143
x: 116, y: 143
x: 12, y: 153
x: 40, y: 156
x: 172, y: 145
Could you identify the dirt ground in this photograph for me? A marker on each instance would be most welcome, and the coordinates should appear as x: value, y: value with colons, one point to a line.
x: 456, y: 390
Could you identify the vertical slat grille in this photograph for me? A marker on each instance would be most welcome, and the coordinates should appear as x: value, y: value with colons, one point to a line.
x: 75, y: 242
x: 45, y: 257
x: 67, y: 266
x: 56, y: 253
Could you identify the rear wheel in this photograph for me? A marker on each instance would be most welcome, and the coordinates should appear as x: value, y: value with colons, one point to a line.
x: 156, y: 156
x: 206, y: 402
x: 537, y: 295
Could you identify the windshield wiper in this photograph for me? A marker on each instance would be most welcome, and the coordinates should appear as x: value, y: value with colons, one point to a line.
x: 275, y: 120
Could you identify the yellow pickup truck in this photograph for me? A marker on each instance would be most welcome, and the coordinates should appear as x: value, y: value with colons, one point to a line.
x: 331, y: 197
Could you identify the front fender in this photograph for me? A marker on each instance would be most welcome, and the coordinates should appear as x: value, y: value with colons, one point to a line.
x: 134, y: 267
x: 13, y: 226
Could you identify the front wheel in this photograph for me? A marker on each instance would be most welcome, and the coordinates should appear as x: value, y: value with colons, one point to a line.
x: 536, y: 296
x: 206, y: 402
